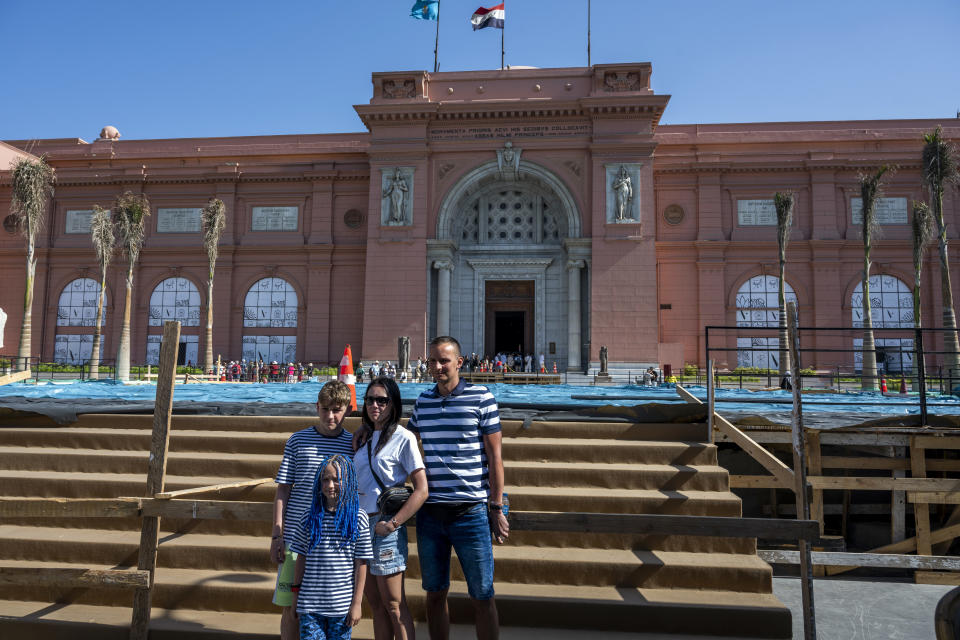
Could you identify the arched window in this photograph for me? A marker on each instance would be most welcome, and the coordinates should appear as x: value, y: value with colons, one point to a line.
x: 270, y: 302
x: 891, y: 307
x: 78, y: 303
x: 175, y: 299
x: 757, y: 307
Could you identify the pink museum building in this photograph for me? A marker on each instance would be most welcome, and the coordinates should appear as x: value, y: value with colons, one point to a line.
x: 544, y: 210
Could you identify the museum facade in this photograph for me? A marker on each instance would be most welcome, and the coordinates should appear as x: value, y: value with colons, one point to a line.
x: 533, y: 210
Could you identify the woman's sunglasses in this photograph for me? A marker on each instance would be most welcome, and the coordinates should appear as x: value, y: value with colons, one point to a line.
x: 380, y: 401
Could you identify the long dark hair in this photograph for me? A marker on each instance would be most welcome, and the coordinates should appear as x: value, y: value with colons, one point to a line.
x: 395, y: 409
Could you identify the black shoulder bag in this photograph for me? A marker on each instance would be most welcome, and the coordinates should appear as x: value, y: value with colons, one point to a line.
x: 391, y: 500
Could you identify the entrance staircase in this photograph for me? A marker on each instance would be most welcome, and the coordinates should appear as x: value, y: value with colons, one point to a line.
x: 214, y: 579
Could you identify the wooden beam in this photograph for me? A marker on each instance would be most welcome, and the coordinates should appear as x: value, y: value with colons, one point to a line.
x: 921, y: 510
x: 15, y: 377
x: 898, y: 501
x: 657, y: 524
x: 69, y: 507
x: 937, y: 577
x: 884, y: 560
x: 842, y: 438
x: 905, y: 546
x: 879, y: 483
x: 933, y: 497
x: 815, y: 466
x: 166, y: 495
x: 209, y: 509
x: 757, y: 482
x: 156, y: 475
x: 936, y: 442
x: 769, y: 461
x: 885, y: 464
x: 67, y: 577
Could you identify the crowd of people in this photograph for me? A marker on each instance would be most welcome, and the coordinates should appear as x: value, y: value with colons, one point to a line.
x: 342, y: 505
x: 506, y: 363
x: 260, y: 371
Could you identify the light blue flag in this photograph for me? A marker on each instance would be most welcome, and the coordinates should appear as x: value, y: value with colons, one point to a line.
x: 425, y: 9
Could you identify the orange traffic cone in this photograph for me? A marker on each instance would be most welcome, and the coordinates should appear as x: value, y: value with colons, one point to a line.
x: 883, y: 385
x: 903, y: 385
x: 346, y: 376
x: 554, y: 367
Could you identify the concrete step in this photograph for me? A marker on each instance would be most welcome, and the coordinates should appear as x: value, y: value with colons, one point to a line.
x: 515, y: 562
x: 42, y: 621
x: 249, y: 465
x: 692, y: 611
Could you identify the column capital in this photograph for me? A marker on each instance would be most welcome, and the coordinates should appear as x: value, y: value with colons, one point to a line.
x: 443, y: 265
x: 574, y: 264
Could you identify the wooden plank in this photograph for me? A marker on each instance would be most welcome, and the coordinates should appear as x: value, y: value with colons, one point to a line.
x: 879, y: 483
x: 933, y: 497
x: 166, y: 495
x: 66, y: 577
x: 937, y: 577
x: 69, y: 507
x: 842, y: 438
x: 757, y: 482
x: 921, y: 510
x: 884, y: 464
x: 906, y: 545
x: 17, y: 376
x: 815, y: 468
x: 898, y: 501
x: 209, y: 509
x: 883, y: 560
x: 936, y: 442
x: 769, y: 461
x: 156, y: 475
x: 657, y: 524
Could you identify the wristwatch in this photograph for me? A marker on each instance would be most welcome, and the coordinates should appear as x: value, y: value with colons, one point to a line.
x: 493, y: 506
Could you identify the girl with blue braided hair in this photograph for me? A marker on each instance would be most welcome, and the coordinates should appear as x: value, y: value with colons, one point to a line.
x: 333, y: 545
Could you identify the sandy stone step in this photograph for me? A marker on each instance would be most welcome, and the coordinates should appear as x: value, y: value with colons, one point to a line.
x: 616, y: 476
x: 609, y: 451
x: 139, y: 440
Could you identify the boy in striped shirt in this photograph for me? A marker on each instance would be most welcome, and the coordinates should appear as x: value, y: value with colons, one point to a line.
x: 459, y: 428
x: 302, y: 455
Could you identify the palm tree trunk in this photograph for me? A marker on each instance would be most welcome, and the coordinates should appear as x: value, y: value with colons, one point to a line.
x: 208, y: 357
x: 26, y: 328
x: 917, y: 359
x: 868, y: 379
x: 123, y: 353
x: 95, y: 350
x: 950, y: 345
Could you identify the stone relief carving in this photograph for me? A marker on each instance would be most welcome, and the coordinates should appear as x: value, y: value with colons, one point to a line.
x: 622, y: 184
x: 395, y: 89
x: 574, y: 167
x: 445, y: 168
x: 621, y: 81
x: 508, y: 161
x: 397, y: 193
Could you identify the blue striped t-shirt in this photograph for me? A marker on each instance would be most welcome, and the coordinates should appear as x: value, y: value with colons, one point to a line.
x: 327, y: 585
x: 302, y: 455
x: 451, y: 430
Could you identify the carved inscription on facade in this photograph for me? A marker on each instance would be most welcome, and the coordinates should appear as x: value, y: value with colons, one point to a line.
x: 178, y: 220
x: 275, y: 218
x: 78, y: 221
x: 889, y: 210
x: 510, y: 131
x: 756, y: 213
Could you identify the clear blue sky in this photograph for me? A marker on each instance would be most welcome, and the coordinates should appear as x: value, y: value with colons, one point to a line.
x: 174, y: 68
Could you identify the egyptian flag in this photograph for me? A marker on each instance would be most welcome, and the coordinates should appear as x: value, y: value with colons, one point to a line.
x: 483, y: 18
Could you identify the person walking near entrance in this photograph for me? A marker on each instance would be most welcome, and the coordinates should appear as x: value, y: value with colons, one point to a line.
x: 459, y: 427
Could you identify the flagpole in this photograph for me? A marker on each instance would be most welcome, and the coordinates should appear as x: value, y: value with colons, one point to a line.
x: 436, y: 42
x: 588, y: 32
x: 502, y: 29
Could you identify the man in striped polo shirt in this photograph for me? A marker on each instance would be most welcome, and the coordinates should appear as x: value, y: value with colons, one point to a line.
x: 459, y: 427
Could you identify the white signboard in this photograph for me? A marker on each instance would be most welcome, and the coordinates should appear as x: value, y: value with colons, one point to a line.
x: 178, y: 220
x: 78, y: 221
x: 756, y: 213
x: 889, y: 210
x: 275, y: 218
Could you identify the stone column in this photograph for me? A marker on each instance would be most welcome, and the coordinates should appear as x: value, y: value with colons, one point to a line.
x: 573, y: 313
x: 444, y: 267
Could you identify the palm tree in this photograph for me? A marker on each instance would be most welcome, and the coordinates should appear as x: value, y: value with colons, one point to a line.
x: 214, y: 219
x: 784, y: 205
x: 130, y: 212
x: 870, y: 189
x: 922, y: 222
x: 939, y: 166
x: 32, y: 184
x: 101, y: 234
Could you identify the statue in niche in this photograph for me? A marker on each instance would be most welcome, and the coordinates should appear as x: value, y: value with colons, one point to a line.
x: 623, y: 193
x: 397, y: 192
x: 508, y: 161
x: 603, y: 359
x: 3, y: 323
x: 403, y: 356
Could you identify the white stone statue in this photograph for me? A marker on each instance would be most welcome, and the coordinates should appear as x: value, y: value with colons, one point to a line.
x: 3, y: 323
x: 397, y: 192
x: 508, y: 161
x: 623, y: 192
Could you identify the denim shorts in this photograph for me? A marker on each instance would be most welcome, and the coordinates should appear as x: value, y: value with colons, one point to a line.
x: 468, y: 535
x: 315, y: 626
x: 389, y: 551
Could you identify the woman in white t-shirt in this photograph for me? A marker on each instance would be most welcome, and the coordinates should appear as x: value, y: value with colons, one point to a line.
x: 393, y: 453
